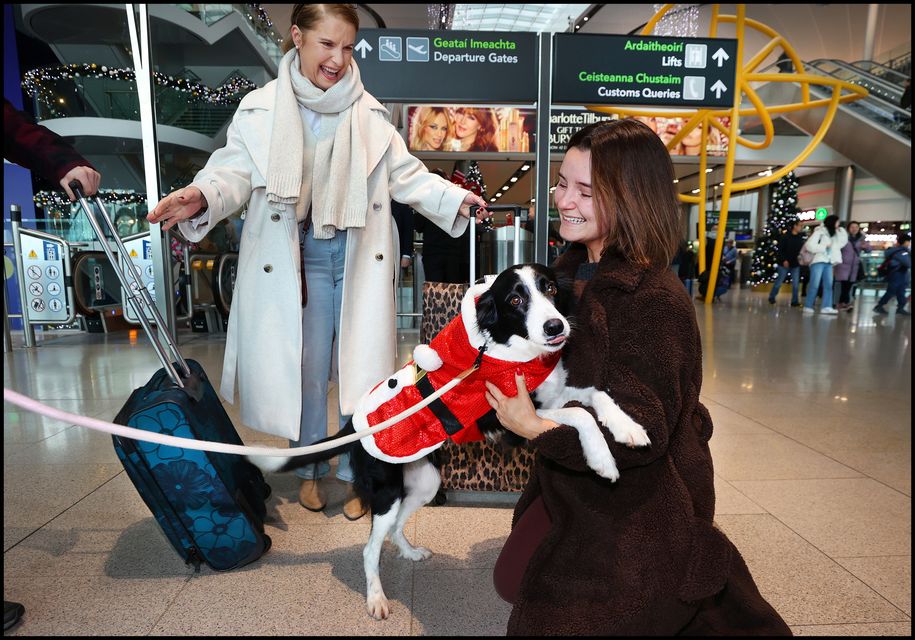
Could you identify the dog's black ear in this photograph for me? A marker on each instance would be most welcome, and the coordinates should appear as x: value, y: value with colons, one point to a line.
x: 487, y: 314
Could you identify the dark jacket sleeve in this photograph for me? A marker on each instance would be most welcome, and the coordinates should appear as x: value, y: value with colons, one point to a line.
x: 37, y: 148
x: 403, y: 216
x: 654, y: 353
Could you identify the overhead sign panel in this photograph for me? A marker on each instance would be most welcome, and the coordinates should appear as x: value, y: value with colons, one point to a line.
x: 644, y: 70
x: 403, y: 65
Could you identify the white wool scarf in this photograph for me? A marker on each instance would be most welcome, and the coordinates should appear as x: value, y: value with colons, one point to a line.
x: 329, y: 173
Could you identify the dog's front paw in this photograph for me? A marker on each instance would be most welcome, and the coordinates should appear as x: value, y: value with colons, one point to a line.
x: 416, y: 554
x: 629, y: 433
x: 377, y: 606
x: 605, y: 468
x: 625, y: 430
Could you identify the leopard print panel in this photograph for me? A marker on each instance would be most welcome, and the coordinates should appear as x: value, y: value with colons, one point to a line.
x: 477, y: 466
x: 441, y: 304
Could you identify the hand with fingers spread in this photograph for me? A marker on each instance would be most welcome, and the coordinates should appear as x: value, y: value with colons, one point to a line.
x: 517, y: 413
x: 178, y: 206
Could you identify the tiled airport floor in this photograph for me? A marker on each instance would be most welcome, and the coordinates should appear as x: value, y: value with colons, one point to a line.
x: 812, y: 451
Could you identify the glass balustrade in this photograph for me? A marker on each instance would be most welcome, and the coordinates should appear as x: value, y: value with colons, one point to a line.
x: 269, y: 38
x: 882, y: 71
x: 103, y: 97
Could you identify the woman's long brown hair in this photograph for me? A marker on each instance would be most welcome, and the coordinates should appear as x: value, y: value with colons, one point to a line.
x: 632, y: 179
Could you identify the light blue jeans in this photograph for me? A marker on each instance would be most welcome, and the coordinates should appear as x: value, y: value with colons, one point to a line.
x: 819, y: 271
x: 780, y: 279
x: 322, y: 261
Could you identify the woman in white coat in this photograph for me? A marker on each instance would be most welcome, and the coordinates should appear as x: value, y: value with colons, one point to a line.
x: 825, y: 243
x: 316, y: 159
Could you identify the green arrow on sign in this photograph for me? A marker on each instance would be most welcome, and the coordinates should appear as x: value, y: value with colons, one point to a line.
x: 822, y: 213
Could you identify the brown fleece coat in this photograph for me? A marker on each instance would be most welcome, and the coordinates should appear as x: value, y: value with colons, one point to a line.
x: 639, y: 556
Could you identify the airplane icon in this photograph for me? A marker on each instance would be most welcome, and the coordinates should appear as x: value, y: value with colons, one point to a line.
x: 417, y: 49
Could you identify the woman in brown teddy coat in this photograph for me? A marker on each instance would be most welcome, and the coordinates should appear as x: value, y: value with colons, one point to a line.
x: 640, y: 556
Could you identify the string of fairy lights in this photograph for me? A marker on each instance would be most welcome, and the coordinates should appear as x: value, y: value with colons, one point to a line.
x: 58, y: 201
x: 40, y: 83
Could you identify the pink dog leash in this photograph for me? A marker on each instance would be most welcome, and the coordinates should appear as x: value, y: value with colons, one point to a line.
x: 30, y: 404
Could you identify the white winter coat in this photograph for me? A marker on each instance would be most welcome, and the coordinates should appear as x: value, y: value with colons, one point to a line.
x: 826, y: 248
x: 264, y: 341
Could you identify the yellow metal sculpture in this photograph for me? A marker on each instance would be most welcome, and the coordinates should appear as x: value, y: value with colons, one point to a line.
x: 842, y: 92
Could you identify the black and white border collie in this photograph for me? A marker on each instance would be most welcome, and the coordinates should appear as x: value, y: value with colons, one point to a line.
x: 515, y: 316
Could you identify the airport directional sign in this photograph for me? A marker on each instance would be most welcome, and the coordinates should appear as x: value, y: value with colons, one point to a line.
x: 415, y: 65
x: 644, y: 70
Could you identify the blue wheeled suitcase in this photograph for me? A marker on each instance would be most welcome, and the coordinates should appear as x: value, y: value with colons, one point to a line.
x: 209, y: 505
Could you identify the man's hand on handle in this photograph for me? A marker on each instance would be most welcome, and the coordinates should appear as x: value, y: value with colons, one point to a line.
x: 88, y: 177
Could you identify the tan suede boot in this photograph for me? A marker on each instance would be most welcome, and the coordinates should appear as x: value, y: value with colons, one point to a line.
x: 310, y: 497
x: 353, y: 509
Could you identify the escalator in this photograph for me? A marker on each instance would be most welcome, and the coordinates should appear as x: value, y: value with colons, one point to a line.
x: 880, y: 86
x: 874, y: 132
x: 889, y: 74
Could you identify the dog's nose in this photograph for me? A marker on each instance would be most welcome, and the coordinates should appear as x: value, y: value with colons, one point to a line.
x: 553, y: 327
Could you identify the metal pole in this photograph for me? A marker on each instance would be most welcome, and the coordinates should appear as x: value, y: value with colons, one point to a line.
x: 844, y: 193
x: 870, y: 31
x: 141, y: 45
x: 7, y: 339
x: 28, y: 332
x: 473, y: 248
x: 542, y: 182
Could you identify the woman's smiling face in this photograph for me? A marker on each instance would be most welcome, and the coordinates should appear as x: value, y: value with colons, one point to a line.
x: 573, y: 197
x: 325, y: 51
x: 466, y: 125
x: 434, y: 133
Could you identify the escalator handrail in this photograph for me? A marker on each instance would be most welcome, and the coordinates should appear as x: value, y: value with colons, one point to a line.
x: 870, y: 77
x: 889, y: 70
x: 870, y: 97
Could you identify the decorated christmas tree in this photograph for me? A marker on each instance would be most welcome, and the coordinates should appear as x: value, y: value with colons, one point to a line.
x: 468, y: 175
x: 782, y: 212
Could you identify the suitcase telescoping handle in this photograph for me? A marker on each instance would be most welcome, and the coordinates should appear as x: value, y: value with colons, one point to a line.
x: 138, y: 294
x: 519, y: 217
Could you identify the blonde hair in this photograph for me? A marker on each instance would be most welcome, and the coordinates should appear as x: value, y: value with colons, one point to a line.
x: 306, y: 16
x: 421, y: 119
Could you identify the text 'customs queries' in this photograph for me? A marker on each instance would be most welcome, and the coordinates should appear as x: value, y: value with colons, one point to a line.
x: 644, y: 70
x: 402, y: 65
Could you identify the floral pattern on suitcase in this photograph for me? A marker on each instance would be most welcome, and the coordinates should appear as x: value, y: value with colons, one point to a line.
x: 193, y: 494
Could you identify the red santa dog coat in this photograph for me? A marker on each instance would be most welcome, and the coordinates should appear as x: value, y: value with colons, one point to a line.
x: 454, y: 414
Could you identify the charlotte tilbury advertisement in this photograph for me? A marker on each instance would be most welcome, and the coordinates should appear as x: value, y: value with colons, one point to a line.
x: 459, y: 128
x: 464, y: 128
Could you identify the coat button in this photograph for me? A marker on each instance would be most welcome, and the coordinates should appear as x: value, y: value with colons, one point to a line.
x: 275, y: 217
x: 379, y: 257
x: 377, y: 206
x: 268, y: 268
